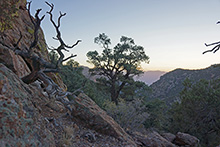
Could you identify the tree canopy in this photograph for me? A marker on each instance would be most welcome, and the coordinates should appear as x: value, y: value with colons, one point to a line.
x: 198, y: 111
x: 117, y: 66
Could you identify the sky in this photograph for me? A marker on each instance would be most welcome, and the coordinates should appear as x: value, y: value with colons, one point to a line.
x: 172, y: 32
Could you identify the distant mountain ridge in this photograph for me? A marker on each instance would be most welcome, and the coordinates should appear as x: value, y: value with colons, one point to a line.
x: 170, y: 84
x: 148, y: 77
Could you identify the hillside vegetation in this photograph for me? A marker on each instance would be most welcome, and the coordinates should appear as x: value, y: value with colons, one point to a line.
x: 169, y: 86
x: 188, y: 101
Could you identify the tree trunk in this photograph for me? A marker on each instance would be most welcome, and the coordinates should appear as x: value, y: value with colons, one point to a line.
x: 114, y: 96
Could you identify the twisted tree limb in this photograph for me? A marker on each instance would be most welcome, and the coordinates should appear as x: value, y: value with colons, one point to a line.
x: 36, y: 24
x: 62, y: 45
x: 214, y: 49
x: 40, y: 66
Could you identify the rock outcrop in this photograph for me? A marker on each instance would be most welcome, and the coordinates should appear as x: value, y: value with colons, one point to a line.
x: 151, y: 139
x: 183, y: 139
x: 95, y: 118
x: 169, y: 136
x: 28, y: 118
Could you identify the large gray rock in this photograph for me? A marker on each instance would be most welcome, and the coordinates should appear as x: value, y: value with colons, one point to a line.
x: 184, y: 139
x: 169, y: 136
x: 151, y: 139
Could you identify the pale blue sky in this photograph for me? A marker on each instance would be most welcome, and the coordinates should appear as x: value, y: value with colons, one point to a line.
x: 173, y: 32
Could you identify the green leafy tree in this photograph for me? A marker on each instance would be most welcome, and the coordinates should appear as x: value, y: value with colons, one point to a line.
x: 198, y: 112
x: 117, y: 66
x: 134, y: 90
x: 73, y: 77
x: 72, y: 63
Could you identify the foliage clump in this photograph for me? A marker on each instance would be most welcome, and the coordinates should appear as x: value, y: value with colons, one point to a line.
x: 130, y: 115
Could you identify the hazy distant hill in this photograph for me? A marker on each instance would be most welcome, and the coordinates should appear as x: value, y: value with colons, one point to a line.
x: 148, y: 77
x: 170, y: 84
x: 86, y: 73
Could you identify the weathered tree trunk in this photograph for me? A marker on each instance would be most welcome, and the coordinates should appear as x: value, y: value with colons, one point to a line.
x: 114, y: 97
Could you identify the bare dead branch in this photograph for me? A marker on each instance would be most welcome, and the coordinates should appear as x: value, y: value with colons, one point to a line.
x: 38, y: 20
x: 50, y: 13
x: 61, y: 15
x: 78, y: 41
x: 51, y: 70
x: 214, y: 49
x: 29, y: 5
x: 212, y: 43
x: 36, y: 24
x: 65, y: 50
x: 72, y: 56
x: 62, y: 45
x: 55, y: 38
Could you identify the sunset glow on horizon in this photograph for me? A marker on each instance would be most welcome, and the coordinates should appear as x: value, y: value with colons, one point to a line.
x: 172, y: 32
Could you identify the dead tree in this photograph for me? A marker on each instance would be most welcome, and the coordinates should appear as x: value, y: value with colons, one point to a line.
x: 215, y: 44
x: 39, y: 65
x: 214, y: 49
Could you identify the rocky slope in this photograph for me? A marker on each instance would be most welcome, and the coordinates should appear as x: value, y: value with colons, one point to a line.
x: 28, y: 117
x: 170, y: 85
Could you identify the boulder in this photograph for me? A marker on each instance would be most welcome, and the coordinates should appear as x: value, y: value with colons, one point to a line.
x: 184, y: 139
x: 169, y: 136
x: 95, y: 118
x: 151, y: 139
x: 14, y: 62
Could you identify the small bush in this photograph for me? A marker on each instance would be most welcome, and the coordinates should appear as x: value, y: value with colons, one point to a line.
x: 130, y: 115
